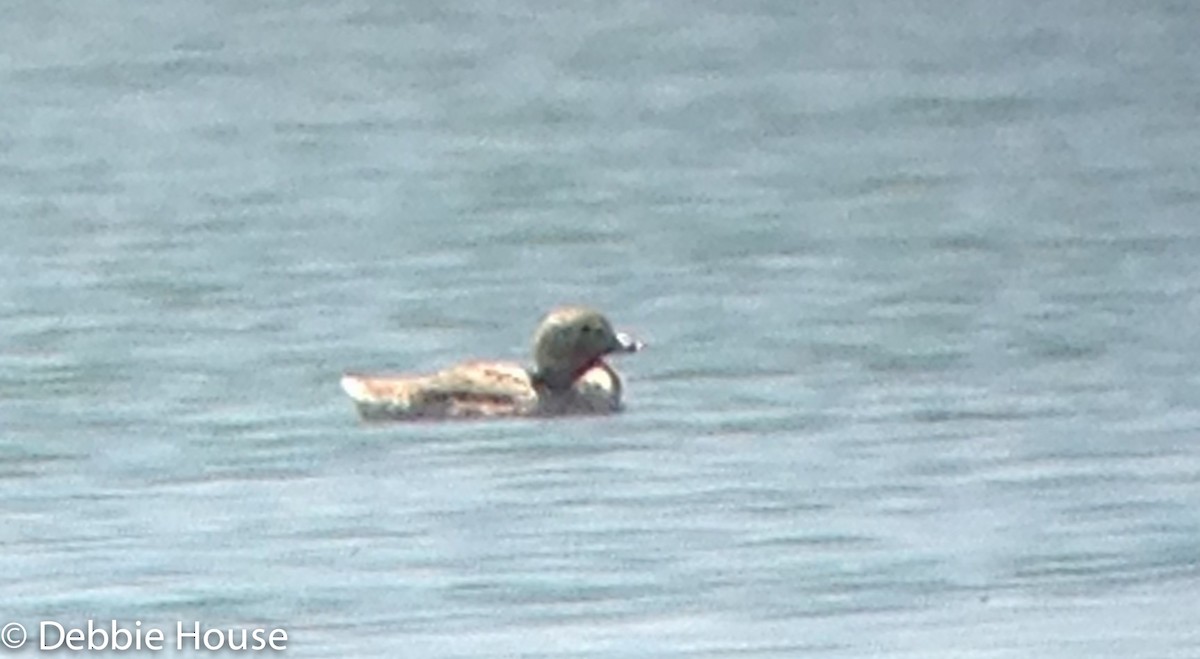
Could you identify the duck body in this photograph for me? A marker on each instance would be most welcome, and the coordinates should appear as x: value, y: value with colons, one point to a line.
x: 480, y: 390
x: 570, y: 377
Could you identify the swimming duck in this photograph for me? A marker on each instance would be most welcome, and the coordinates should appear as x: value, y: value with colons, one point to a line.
x: 569, y: 376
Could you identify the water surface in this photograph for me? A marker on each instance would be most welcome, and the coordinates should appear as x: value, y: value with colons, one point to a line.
x: 919, y: 282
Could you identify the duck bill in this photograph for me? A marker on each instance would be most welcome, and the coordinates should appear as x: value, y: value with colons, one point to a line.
x: 626, y: 343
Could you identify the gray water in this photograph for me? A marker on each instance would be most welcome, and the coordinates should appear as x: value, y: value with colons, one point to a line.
x: 920, y: 284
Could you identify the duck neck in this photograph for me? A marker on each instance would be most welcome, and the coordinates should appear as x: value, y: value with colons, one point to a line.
x: 559, y: 380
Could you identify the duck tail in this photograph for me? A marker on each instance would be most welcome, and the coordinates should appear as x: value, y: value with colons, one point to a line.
x: 356, y: 388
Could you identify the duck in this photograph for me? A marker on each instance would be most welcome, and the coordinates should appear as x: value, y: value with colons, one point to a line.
x: 570, y: 376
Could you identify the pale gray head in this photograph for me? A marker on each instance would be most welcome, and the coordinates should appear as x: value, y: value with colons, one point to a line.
x: 570, y: 341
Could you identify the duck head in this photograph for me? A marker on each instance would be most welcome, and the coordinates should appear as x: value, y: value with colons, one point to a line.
x: 570, y: 341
